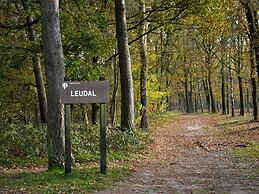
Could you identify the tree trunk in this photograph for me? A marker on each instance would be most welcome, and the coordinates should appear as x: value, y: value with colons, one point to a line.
x: 55, y: 72
x: 240, y: 80
x: 232, y: 100
x: 206, y: 90
x: 84, y: 115
x: 127, y: 92
x: 143, y: 70
x: 191, y: 97
x: 37, y: 74
x: 187, y: 104
x: 114, y: 92
x: 94, y: 113
x: 247, y: 100
x: 227, y: 88
x: 195, y: 103
x: 201, y: 104
x: 255, y: 113
x: 251, y: 12
x: 42, y: 99
x: 253, y: 83
x: 212, y: 99
x: 254, y: 46
x: 200, y: 98
x: 223, y: 100
x: 241, y: 96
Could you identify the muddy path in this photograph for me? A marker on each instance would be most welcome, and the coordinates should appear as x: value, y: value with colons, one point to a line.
x: 179, y: 162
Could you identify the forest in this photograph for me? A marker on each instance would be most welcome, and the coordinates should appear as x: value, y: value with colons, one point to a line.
x: 185, y: 56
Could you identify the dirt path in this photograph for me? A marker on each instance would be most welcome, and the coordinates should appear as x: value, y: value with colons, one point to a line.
x: 182, y: 164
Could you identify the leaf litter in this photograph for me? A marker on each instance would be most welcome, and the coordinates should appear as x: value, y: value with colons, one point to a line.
x: 190, y: 155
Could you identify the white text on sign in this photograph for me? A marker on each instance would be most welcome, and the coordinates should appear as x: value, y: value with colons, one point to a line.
x: 78, y: 93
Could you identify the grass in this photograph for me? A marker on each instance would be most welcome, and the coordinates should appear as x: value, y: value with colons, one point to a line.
x: 240, y: 131
x: 79, y: 181
x: 84, y: 178
x: 229, y: 121
x: 12, y: 162
x: 251, y: 151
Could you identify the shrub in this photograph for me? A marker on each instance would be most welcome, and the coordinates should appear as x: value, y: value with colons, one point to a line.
x: 24, y: 140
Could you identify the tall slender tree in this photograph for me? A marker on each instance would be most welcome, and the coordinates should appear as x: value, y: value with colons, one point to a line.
x: 38, y: 76
x: 143, y: 68
x: 55, y: 72
x: 127, y: 92
x: 250, y: 13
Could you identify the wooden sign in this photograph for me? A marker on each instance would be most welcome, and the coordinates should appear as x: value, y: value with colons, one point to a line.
x: 75, y: 92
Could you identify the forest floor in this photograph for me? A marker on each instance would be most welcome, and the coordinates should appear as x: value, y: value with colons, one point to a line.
x: 193, y: 155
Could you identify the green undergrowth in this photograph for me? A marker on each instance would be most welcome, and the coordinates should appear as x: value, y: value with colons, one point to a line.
x: 123, y: 147
x: 55, y: 181
x: 21, y: 162
x: 251, y: 151
x: 22, y: 145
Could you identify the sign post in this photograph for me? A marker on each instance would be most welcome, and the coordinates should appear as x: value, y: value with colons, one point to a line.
x: 103, y: 136
x: 74, y: 92
x: 67, y: 139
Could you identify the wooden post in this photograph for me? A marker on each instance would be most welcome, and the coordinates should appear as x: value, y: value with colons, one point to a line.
x: 103, y: 136
x: 67, y: 139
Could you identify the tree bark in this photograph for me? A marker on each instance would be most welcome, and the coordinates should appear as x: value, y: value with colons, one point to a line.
x: 247, y: 101
x: 187, y: 104
x: 253, y: 26
x: 232, y: 100
x: 114, y: 92
x: 254, y: 49
x: 206, y: 90
x: 212, y: 99
x: 127, y: 92
x: 55, y: 72
x: 240, y: 80
x: 241, y: 96
x: 200, y: 98
x: 143, y: 69
x: 227, y: 88
x: 253, y: 83
x: 94, y: 113
x: 38, y: 76
x: 191, y: 97
x: 223, y: 99
x: 195, y: 103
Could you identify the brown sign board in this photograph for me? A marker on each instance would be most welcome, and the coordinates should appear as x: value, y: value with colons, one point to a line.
x: 80, y: 92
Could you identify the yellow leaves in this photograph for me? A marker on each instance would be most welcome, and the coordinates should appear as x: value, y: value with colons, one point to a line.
x: 152, y: 57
